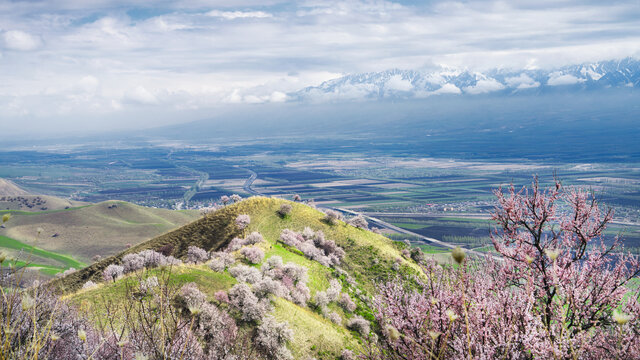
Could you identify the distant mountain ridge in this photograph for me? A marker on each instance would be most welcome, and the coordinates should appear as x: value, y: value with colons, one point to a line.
x: 404, y: 84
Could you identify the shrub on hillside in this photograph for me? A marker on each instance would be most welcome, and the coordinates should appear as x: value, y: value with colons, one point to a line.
x: 321, y: 299
x: 235, y: 198
x: 347, y: 355
x: 192, y: 296
x: 359, y: 221
x: 112, y: 272
x: 153, y: 258
x: 217, y: 329
x: 196, y: 255
x: 250, y: 307
x: 346, y: 303
x: 221, y: 260
x: 253, y: 238
x: 244, y: 273
x: 268, y: 286
x: 132, y: 262
x: 148, y: 284
x: 314, y: 246
x: 334, y: 289
x: 242, y: 221
x: 360, y: 325
x: 272, y: 337
x: 331, y: 217
x: 285, y: 209
x: 253, y: 254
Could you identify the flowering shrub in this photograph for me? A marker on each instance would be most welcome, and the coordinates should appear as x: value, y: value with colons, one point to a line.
x: 268, y: 286
x: 235, y: 198
x: 253, y: 238
x: 321, y: 299
x: 288, y: 281
x: 331, y: 217
x: 272, y: 337
x: 359, y: 221
x: 148, y: 284
x: 221, y: 260
x: 250, y: 307
x: 334, y: 289
x: 196, y: 255
x: 242, y: 221
x: 285, y: 209
x: 253, y: 254
x: 244, y: 273
x: 112, y: 272
x: 221, y: 296
x: 132, y: 262
x: 334, y: 317
x: 557, y: 292
x: 153, y: 258
x: 347, y: 355
x: 346, y: 303
x: 192, y: 296
x: 314, y: 246
x: 360, y: 325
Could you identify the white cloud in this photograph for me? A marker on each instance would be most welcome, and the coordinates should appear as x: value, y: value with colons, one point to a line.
x: 558, y: 79
x: 522, y: 81
x: 188, y: 58
x: 484, y: 86
x: 230, y: 15
x: 21, y: 41
x: 140, y: 95
x: 397, y: 83
x: 89, y: 83
x: 448, y: 89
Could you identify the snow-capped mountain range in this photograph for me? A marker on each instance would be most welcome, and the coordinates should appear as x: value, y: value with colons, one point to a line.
x: 401, y: 84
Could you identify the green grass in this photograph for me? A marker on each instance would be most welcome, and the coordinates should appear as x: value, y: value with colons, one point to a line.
x: 369, y: 258
x: 314, y: 335
x: 67, y: 261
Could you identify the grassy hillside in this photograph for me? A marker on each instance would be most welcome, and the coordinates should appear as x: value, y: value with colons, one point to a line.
x: 16, y: 199
x: 214, y: 231
x: 369, y: 259
x: 53, y: 237
x: 7, y: 188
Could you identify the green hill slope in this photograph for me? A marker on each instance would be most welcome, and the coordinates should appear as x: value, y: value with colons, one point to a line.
x: 81, y: 233
x: 369, y: 259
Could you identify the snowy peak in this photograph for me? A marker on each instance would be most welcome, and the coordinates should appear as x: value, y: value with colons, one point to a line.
x: 397, y: 83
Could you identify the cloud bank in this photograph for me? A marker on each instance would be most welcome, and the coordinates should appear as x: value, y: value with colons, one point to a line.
x: 68, y: 61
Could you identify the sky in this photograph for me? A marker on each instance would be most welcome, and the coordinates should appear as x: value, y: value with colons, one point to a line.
x: 76, y: 65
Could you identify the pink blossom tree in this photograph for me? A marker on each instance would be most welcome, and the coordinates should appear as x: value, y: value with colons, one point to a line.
x: 557, y: 292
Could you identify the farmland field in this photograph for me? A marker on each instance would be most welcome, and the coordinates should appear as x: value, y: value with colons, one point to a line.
x: 397, y: 183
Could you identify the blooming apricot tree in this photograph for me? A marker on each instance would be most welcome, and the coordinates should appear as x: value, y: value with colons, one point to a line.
x: 558, y: 292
